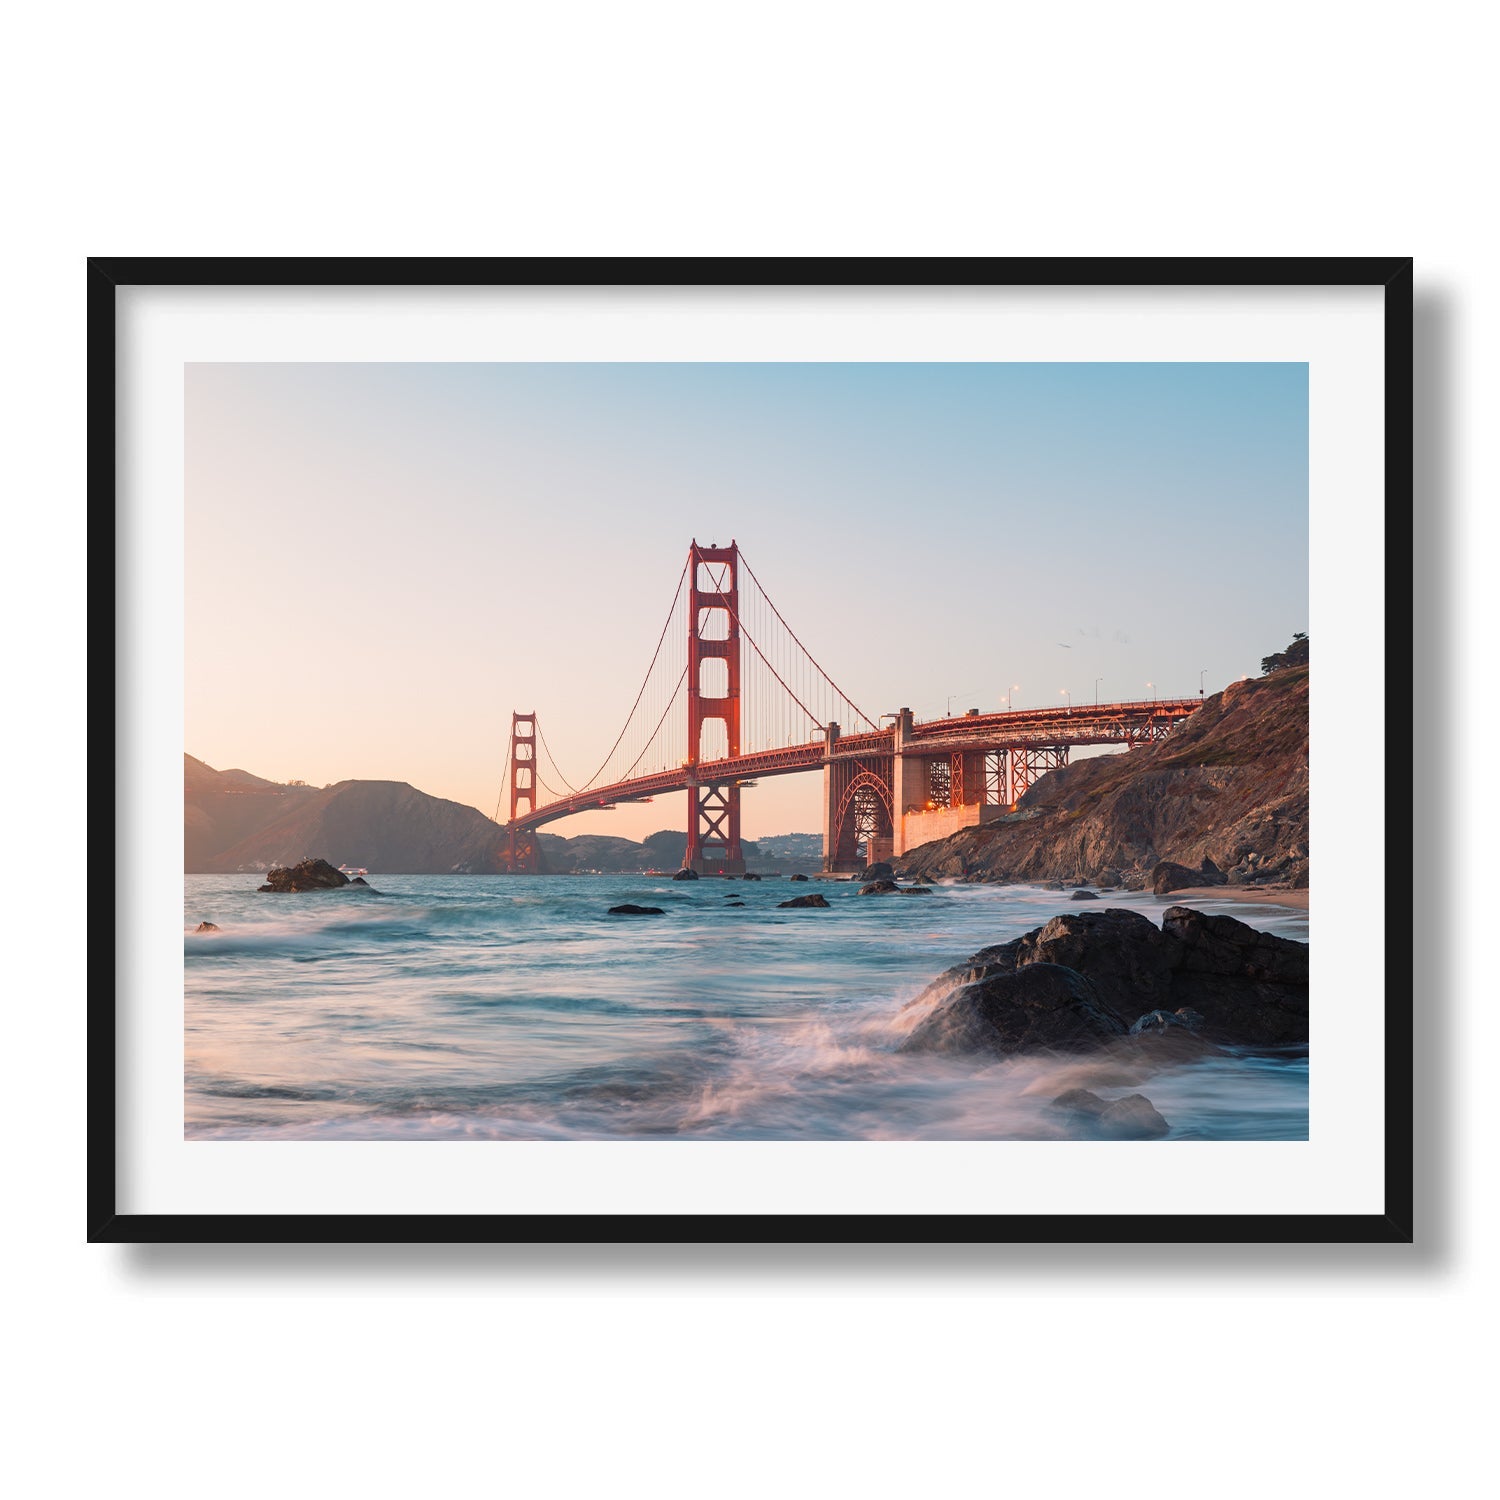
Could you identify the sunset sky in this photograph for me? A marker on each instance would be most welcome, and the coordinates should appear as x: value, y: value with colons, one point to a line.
x: 384, y: 560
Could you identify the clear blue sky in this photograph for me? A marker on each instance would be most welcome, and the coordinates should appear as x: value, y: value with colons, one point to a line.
x: 384, y: 560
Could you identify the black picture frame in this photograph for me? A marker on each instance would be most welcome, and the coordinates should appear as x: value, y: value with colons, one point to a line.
x: 107, y: 276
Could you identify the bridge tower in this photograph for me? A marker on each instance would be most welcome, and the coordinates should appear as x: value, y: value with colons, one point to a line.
x: 523, y: 848
x: 713, y: 694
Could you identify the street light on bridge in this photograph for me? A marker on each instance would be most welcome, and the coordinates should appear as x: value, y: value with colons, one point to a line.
x: 1152, y: 687
x: 1201, y: 676
x: 1067, y: 697
x: 1097, y: 681
x: 1015, y: 687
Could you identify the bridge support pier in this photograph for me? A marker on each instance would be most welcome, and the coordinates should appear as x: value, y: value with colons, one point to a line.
x: 523, y: 849
x: 713, y: 846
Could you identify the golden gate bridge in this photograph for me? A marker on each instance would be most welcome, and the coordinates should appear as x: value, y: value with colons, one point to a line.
x: 732, y: 695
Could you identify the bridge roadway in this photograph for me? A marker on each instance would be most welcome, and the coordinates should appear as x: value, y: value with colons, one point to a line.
x: 969, y: 734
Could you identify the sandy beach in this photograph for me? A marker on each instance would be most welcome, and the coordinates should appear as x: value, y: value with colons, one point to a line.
x: 1258, y: 895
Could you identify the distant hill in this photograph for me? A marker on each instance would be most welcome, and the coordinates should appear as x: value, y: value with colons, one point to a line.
x: 223, y: 807
x: 234, y: 821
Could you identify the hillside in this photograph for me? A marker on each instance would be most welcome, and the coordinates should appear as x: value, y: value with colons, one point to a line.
x: 381, y: 825
x: 1230, y: 785
x: 221, y: 808
x: 234, y: 821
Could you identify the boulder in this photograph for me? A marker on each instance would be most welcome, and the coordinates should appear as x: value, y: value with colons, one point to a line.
x: 1042, y: 1007
x: 1123, y: 953
x: 878, y: 888
x: 1168, y: 876
x: 627, y: 910
x: 1107, y: 879
x: 796, y: 877
x: 309, y: 875
x: 917, y: 890
x: 1197, y: 983
x: 1247, y: 986
x: 812, y: 900
x: 1133, y: 1118
x: 685, y: 874
x: 206, y: 927
x: 749, y: 876
x: 881, y: 871
x: 1082, y: 895
x: 733, y: 903
x: 1079, y: 1102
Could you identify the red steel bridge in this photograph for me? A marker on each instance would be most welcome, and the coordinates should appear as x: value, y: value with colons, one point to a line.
x: 736, y: 697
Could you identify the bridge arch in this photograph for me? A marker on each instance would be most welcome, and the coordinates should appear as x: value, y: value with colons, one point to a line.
x: 866, y: 810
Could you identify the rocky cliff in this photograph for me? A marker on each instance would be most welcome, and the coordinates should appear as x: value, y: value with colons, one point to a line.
x: 1230, y: 786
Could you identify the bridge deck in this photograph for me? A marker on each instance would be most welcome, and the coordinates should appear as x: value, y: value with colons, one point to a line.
x: 1089, y: 724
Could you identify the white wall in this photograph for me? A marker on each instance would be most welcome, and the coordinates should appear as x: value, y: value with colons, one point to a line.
x: 176, y: 129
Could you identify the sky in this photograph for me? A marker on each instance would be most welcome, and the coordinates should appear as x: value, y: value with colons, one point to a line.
x: 383, y: 560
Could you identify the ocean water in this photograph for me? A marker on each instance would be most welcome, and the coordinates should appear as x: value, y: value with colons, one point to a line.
x: 472, y: 1007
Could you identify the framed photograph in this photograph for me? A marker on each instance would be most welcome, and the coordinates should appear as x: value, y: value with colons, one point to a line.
x: 707, y: 750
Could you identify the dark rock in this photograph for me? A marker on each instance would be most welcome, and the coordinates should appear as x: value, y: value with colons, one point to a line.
x: 1156, y: 1023
x: 796, y: 877
x: 813, y: 900
x: 360, y: 880
x: 310, y: 875
x: 1133, y: 1118
x: 878, y: 888
x: 1195, y: 984
x: 1107, y: 879
x: 748, y: 876
x: 685, y: 874
x: 1247, y: 986
x: 1081, y: 895
x: 627, y: 910
x: 1166, y: 1039
x: 1042, y: 1007
x: 1168, y: 876
x: 917, y: 890
x: 881, y: 871
x: 1123, y: 953
x: 733, y: 903
x: 1080, y: 1102
x: 206, y: 927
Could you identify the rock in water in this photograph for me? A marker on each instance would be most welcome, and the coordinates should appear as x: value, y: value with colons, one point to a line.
x: 1082, y: 895
x: 878, y: 888
x: 813, y: 900
x: 685, y: 874
x: 796, y: 877
x: 206, y: 927
x: 1042, y: 1007
x: 310, y: 875
x: 1123, y: 953
x: 917, y: 890
x: 1196, y: 982
x: 880, y: 871
x: 1133, y: 1118
x: 749, y: 876
x: 1247, y: 986
x: 734, y: 903
x: 627, y: 910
